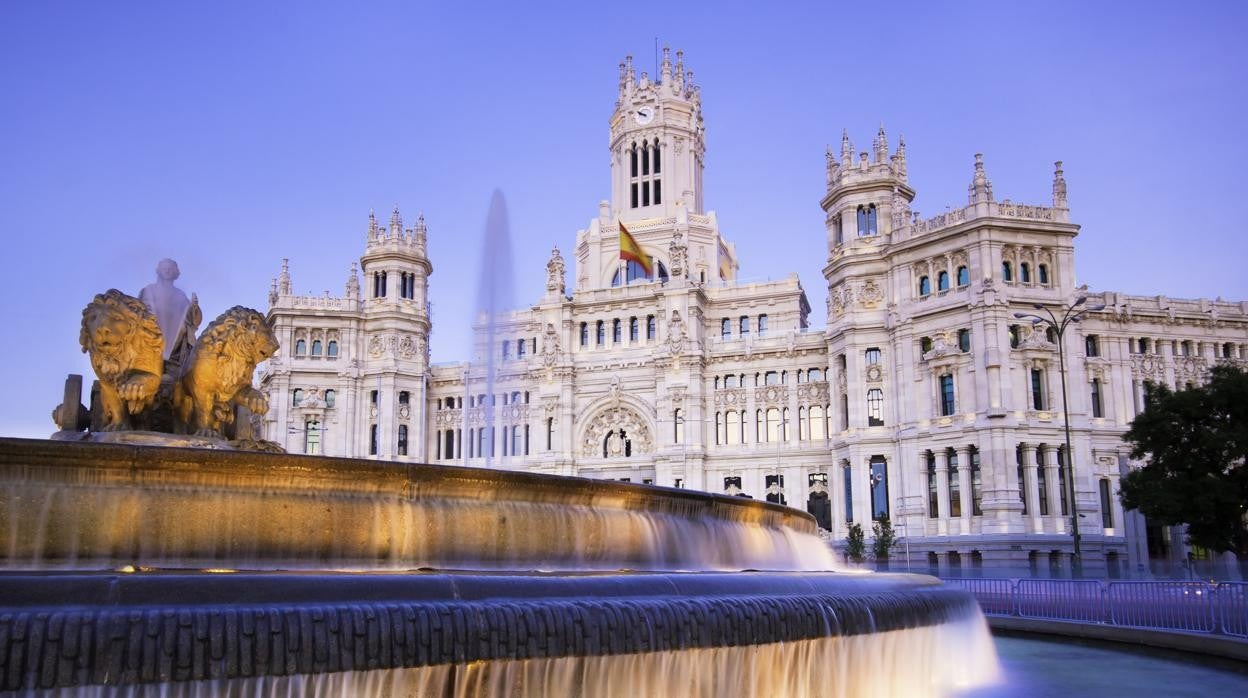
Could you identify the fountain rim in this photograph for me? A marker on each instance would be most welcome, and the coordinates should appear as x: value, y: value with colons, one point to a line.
x: 409, y: 476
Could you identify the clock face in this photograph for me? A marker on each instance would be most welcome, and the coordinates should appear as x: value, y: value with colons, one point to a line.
x: 644, y: 115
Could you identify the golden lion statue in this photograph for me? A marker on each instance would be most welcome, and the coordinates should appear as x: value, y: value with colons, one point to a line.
x: 217, y: 373
x: 125, y: 345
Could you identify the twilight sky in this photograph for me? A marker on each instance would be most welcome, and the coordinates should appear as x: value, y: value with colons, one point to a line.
x: 228, y: 135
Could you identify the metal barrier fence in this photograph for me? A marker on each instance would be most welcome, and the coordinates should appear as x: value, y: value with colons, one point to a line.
x: 1195, y: 607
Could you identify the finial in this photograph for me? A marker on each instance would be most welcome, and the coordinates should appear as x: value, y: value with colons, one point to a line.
x: 847, y: 149
x: 881, y: 145
x: 1059, y: 186
x: 396, y: 223
x: 284, y: 278
x: 980, y: 189
x: 372, y: 224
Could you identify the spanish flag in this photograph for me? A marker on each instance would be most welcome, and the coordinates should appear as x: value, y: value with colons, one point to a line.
x: 630, y: 251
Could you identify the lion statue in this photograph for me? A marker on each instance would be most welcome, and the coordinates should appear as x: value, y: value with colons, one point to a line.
x: 125, y: 345
x: 217, y: 373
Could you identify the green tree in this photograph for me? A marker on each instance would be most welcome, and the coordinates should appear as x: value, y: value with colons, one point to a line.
x: 1194, y: 444
x: 885, y: 538
x: 855, y: 543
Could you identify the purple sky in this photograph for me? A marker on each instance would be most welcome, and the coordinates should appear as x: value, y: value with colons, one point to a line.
x: 229, y: 135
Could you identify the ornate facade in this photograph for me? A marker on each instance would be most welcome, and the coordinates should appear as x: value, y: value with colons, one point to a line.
x: 925, y: 399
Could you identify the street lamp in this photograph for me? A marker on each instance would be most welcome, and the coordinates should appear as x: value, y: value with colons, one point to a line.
x: 1070, y: 315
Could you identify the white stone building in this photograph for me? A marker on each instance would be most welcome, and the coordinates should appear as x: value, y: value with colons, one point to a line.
x: 925, y: 399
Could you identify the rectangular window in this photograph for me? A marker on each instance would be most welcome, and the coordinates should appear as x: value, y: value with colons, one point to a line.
x: 1042, y: 484
x: 964, y: 340
x: 520, y: 348
x: 633, y: 195
x: 1097, y: 409
x: 550, y: 433
x: 879, y: 488
x: 1022, y: 478
x: 745, y: 326
x: 402, y: 448
x: 933, y: 489
x: 849, y: 494
x: 372, y: 438
x: 725, y: 329
x: 1107, y: 508
x: 374, y: 396
x: 312, y: 437
x: 1061, y: 480
x: 976, y: 484
x: 1037, y: 389
x: 1092, y: 345
x: 762, y: 325
x: 678, y: 426
x: 506, y: 349
x: 955, y: 485
x: 658, y: 187
x: 946, y: 395
x: 872, y: 356
x: 645, y: 195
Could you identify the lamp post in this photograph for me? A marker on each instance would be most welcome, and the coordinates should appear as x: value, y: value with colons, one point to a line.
x: 1070, y: 315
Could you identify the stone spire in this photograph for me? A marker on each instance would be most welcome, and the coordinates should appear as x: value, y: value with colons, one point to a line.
x: 283, y: 279
x: 899, y: 160
x: 1059, y: 186
x: 372, y: 225
x: 881, y: 145
x: 353, y: 283
x: 396, y: 223
x: 847, y: 149
x: 679, y: 86
x: 273, y: 292
x: 665, y: 71
x: 980, y: 189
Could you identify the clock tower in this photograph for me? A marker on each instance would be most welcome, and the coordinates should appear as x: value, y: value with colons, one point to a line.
x: 657, y: 142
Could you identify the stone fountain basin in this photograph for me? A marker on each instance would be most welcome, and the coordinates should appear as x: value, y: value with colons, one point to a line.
x: 108, y: 506
x: 74, y: 629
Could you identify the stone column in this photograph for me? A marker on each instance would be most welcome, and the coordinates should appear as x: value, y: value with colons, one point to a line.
x: 942, y: 490
x: 1031, y: 488
x: 1047, y: 459
x: 964, y: 487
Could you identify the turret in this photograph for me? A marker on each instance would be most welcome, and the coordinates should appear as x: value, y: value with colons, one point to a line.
x: 1059, y: 186
x: 657, y: 142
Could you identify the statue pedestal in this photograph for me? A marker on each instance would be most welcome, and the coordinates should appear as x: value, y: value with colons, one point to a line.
x: 155, y: 438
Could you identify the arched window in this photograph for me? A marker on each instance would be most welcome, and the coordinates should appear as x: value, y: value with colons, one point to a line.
x: 946, y: 395
x: 654, y: 157
x: 862, y: 221
x: 725, y: 329
x: 1024, y: 273
x: 616, y: 336
x: 773, y: 425
x: 803, y: 424
x: 651, y: 328
x: 1007, y: 273
x: 964, y: 276
x: 316, y: 347
x: 331, y: 397
x: 872, y: 229
x: 645, y: 158
x: 1097, y: 408
x: 632, y: 163
x: 875, y: 407
x: 296, y: 397
x: 602, y: 333
x: 584, y: 334
x: 1042, y: 274
x: 301, y: 347
x: 331, y: 349
x: 1037, y: 388
x: 942, y: 281
x: 658, y: 266
x: 925, y: 286
x: 633, y: 330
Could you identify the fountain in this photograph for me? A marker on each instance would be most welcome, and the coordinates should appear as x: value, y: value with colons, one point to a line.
x: 155, y: 546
